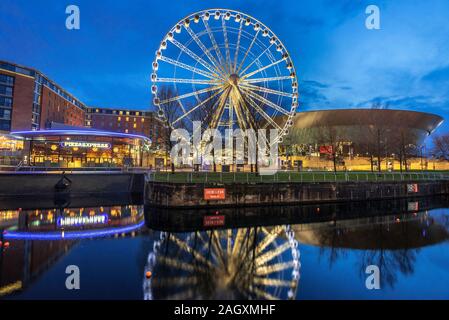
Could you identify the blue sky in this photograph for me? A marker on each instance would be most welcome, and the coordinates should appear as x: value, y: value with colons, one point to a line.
x: 340, y: 63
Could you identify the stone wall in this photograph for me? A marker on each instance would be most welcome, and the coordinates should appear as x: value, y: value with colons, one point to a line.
x: 191, y: 194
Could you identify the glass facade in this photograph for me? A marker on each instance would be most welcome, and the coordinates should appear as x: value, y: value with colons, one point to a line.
x: 6, y: 100
x: 85, y: 151
x: 11, y: 150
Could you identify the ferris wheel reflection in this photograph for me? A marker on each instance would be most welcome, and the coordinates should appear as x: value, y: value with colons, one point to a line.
x: 245, y: 263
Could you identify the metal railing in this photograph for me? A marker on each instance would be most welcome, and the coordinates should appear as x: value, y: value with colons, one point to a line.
x: 292, y: 176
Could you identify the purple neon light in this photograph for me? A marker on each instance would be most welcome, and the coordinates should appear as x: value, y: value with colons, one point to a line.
x: 17, y: 235
x: 80, y: 132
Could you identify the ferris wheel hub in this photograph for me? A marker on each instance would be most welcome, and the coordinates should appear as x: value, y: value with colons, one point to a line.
x: 234, y: 79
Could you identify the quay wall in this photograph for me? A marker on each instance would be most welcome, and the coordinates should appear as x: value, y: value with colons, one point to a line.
x: 188, y: 195
x: 82, y: 183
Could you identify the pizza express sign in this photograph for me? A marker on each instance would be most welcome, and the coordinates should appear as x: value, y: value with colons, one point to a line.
x: 84, y: 144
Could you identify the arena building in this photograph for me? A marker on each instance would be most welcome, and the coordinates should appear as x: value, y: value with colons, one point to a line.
x: 382, y: 135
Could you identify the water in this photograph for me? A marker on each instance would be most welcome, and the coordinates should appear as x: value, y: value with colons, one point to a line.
x: 125, y: 250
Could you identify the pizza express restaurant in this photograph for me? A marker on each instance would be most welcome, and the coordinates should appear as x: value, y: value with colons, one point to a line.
x: 84, y: 148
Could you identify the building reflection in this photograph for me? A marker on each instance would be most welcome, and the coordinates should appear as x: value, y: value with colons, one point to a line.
x: 244, y: 263
x: 32, y: 240
x: 390, y: 242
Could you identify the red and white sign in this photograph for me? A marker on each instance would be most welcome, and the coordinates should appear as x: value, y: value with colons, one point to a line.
x: 214, y: 193
x: 213, y: 221
x: 326, y: 149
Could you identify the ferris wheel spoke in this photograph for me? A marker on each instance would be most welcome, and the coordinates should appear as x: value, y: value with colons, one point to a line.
x: 198, y: 256
x: 177, y: 264
x: 190, y: 53
x: 272, y: 268
x: 187, y: 95
x: 247, y: 51
x: 214, y: 42
x: 263, y: 68
x: 219, y: 113
x: 234, y: 68
x: 267, y: 102
x: 267, y: 79
x: 256, y: 59
x: 269, y: 239
x: 264, y: 258
x: 263, y: 113
x: 188, y: 81
x: 216, y: 64
x: 273, y: 282
x: 198, y: 105
x: 187, y: 67
x: 236, y: 101
x: 225, y: 36
x: 266, y: 90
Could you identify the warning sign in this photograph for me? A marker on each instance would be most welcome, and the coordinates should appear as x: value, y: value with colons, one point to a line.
x: 214, y: 193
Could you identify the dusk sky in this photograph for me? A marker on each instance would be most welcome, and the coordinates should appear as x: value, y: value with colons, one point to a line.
x: 340, y: 63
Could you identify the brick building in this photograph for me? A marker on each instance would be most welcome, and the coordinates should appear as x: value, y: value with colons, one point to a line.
x: 31, y: 101
x: 126, y: 121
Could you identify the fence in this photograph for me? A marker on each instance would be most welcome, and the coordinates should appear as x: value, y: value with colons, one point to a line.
x: 291, y: 176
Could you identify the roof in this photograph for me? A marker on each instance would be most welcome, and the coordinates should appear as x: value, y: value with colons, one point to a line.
x: 78, y: 132
x: 377, y: 117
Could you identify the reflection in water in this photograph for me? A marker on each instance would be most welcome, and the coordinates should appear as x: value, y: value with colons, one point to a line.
x: 390, y: 242
x: 32, y: 240
x: 245, y: 263
x: 250, y: 253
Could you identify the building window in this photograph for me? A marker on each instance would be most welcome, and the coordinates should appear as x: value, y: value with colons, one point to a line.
x: 5, y: 102
x: 5, y: 114
x: 5, y: 90
x: 5, y: 125
x: 6, y: 79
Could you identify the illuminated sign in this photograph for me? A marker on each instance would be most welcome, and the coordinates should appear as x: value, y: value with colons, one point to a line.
x: 326, y: 149
x: 213, y: 221
x: 84, y: 144
x: 214, y: 193
x: 81, y: 221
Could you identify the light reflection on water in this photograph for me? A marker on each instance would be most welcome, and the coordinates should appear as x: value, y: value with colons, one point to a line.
x: 129, y: 251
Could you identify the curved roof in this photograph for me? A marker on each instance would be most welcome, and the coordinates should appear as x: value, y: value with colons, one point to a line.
x: 80, y: 132
x: 377, y: 117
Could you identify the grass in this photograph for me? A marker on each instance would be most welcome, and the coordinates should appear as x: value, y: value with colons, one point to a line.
x: 282, y: 176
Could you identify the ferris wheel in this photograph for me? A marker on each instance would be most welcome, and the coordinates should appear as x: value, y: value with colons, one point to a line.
x: 226, y: 69
x: 247, y: 263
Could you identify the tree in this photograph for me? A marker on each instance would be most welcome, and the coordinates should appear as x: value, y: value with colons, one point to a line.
x: 333, y: 138
x: 204, y: 114
x: 440, y: 148
x: 169, y: 112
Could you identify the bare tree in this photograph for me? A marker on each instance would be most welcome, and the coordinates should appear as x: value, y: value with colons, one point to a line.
x: 204, y: 114
x: 440, y: 148
x: 333, y: 138
x: 169, y: 112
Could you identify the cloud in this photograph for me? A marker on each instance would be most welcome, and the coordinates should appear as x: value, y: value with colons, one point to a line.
x: 439, y: 75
